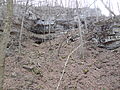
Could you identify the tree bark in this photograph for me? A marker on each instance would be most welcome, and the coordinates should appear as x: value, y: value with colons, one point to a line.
x: 21, y: 30
x: 4, y: 38
x: 80, y: 31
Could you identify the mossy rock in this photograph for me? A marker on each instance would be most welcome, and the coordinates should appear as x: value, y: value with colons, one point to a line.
x: 37, y: 71
x: 40, y: 87
x: 63, y: 57
x: 85, y: 71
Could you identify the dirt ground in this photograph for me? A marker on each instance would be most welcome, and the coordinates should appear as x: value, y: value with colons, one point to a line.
x: 39, y: 67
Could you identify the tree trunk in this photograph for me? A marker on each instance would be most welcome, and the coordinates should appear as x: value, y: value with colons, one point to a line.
x: 4, y: 39
x: 80, y: 31
x: 21, y: 30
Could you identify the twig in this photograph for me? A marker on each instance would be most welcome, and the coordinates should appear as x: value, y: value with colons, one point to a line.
x: 108, y: 8
x: 92, y: 3
x: 66, y: 65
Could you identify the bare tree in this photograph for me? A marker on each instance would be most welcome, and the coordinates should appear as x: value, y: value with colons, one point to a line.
x: 49, y: 23
x: 80, y: 31
x: 118, y: 7
x: 108, y: 8
x: 4, y: 39
x: 21, y: 31
x: 96, y: 12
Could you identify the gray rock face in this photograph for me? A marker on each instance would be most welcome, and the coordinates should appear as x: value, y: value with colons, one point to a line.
x: 108, y: 34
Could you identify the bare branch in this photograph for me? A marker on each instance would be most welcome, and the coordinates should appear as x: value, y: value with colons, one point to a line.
x: 108, y: 8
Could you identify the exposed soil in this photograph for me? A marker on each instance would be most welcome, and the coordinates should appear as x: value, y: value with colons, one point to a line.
x: 39, y: 67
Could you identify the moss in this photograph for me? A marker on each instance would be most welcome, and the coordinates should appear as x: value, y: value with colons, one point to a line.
x: 103, y: 89
x: 63, y: 57
x: 40, y: 87
x: 85, y: 71
x: 37, y: 71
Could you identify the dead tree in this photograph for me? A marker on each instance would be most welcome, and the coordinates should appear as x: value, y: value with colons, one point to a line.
x: 96, y: 12
x: 80, y: 31
x: 118, y: 7
x: 21, y: 31
x: 4, y: 38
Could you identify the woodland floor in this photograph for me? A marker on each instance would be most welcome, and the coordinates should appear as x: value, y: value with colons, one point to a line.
x: 39, y: 67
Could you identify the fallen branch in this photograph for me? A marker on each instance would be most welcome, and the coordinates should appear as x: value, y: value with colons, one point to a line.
x: 66, y: 65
